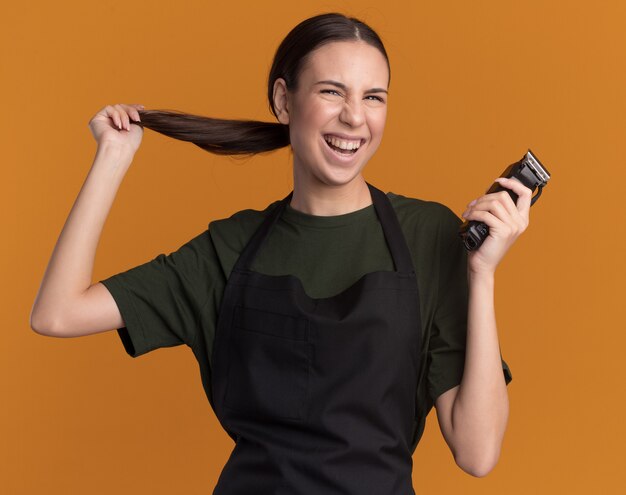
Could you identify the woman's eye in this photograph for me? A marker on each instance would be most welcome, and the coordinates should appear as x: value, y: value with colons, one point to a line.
x: 370, y: 96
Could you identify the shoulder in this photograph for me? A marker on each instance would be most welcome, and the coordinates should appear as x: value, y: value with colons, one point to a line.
x: 233, y: 232
x: 427, y: 217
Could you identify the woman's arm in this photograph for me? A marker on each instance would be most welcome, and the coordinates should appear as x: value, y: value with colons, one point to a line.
x: 473, y: 415
x: 61, y: 298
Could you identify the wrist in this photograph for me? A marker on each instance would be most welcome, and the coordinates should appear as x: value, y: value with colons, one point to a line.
x: 113, y: 155
x: 115, y: 149
x: 480, y: 275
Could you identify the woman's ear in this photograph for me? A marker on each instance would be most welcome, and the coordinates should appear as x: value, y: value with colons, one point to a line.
x: 281, y: 101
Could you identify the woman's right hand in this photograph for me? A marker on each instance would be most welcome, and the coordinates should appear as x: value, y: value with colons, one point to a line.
x: 112, y: 125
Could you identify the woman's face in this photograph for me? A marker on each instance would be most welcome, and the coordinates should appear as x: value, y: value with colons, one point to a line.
x: 341, y: 98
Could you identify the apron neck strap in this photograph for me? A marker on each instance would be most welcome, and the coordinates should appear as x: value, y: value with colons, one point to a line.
x: 389, y: 221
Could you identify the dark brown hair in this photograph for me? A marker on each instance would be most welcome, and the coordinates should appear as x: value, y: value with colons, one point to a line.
x: 247, y: 137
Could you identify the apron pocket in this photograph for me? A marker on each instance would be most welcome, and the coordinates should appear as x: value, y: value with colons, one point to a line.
x: 268, y: 369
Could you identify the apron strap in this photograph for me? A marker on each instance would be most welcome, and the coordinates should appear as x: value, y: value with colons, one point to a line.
x: 396, y: 241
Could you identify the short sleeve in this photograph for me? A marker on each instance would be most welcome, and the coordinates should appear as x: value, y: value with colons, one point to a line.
x: 446, y: 352
x: 161, y: 301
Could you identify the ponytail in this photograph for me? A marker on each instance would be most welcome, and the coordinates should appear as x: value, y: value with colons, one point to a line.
x: 219, y: 136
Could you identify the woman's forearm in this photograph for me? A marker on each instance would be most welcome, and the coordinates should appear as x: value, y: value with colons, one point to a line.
x: 70, y: 269
x: 480, y: 410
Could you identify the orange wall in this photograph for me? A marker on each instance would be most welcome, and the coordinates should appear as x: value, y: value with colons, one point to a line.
x: 474, y: 84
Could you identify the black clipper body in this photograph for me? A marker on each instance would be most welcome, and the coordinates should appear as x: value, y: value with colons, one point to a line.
x: 530, y: 172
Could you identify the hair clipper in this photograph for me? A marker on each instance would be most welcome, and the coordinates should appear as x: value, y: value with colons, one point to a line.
x: 530, y: 172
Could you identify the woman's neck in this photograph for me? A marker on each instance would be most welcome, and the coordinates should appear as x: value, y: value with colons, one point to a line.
x: 323, y: 200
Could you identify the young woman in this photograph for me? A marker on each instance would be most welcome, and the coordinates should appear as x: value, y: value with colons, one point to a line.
x: 327, y: 325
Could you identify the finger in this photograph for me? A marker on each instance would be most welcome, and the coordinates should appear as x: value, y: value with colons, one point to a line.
x: 118, y: 116
x: 514, y: 218
x: 113, y: 114
x: 132, y: 113
x: 126, y: 119
x: 489, y: 219
x: 497, y: 209
x: 140, y: 107
x: 492, y: 204
x: 524, y: 193
x: 135, y: 114
x: 123, y: 116
x: 504, y: 198
x: 517, y: 220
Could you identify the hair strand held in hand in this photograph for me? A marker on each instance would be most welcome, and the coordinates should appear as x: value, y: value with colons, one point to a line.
x: 220, y: 136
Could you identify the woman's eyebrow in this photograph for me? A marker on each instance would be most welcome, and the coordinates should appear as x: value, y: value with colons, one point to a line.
x: 345, y: 88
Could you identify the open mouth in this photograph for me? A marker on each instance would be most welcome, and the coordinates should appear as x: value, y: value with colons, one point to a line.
x: 343, y: 147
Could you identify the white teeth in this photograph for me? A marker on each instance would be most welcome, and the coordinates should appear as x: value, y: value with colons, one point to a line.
x: 343, y: 144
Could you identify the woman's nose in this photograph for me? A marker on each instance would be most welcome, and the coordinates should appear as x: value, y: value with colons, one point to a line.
x: 352, y: 114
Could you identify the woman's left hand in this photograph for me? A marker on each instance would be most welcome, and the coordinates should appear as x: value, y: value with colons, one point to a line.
x: 505, y: 219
